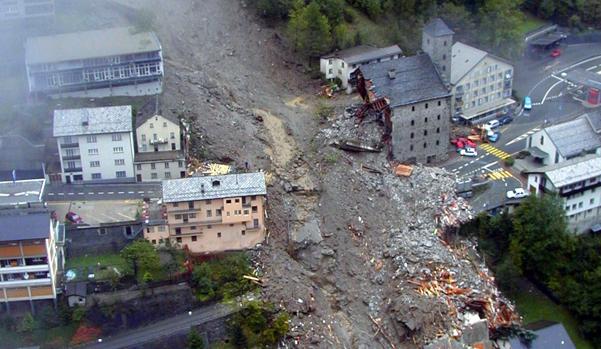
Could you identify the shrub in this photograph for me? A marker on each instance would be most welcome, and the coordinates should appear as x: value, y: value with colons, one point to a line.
x: 509, y: 161
x: 27, y: 324
x: 85, y: 334
x: 331, y: 158
x: 323, y: 111
x: 257, y: 324
x: 222, y: 278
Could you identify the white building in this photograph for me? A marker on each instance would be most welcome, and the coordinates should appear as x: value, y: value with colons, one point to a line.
x: 341, y: 64
x: 558, y: 143
x: 25, y: 9
x: 161, y: 147
x: 95, y: 144
x: 480, y: 83
x: 576, y: 182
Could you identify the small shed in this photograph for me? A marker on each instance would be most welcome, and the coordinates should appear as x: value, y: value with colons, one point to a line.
x: 76, y: 293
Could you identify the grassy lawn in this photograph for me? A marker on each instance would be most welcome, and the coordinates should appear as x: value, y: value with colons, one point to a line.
x: 99, y: 264
x: 530, y: 23
x: 534, y: 306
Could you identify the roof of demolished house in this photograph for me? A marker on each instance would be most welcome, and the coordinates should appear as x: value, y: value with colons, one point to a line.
x: 406, y: 80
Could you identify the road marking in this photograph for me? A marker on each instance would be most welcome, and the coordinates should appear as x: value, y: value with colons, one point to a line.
x: 91, y: 193
x: 80, y: 193
x: 61, y: 193
x: 150, y: 192
x: 494, y: 151
x: 549, y: 90
x: 130, y: 192
x: 111, y: 192
x: 50, y: 194
x: 121, y: 192
x: 141, y: 192
x: 499, y: 174
x: 128, y: 217
x: 100, y: 193
x: 525, y: 135
x: 70, y: 193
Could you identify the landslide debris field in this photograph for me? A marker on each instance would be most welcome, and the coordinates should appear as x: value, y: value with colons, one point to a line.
x: 355, y: 253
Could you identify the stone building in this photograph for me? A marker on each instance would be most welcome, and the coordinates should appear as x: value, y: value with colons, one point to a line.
x: 437, y: 42
x: 419, y: 106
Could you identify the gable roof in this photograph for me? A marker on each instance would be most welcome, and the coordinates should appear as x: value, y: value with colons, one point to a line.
x: 203, y: 188
x: 22, y: 225
x: 594, y: 119
x: 573, y: 137
x: 89, y: 44
x: 437, y: 27
x: 463, y: 59
x: 71, y: 122
x: 363, y: 53
x: 571, y: 171
x: 549, y: 335
x: 150, y: 109
x: 415, y: 79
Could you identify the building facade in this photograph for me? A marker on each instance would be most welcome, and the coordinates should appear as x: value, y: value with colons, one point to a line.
x: 25, y: 9
x: 340, y: 64
x: 162, y: 147
x: 213, y: 213
x: 577, y: 183
x: 481, y: 84
x: 100, y: 63
x: 95, y: 144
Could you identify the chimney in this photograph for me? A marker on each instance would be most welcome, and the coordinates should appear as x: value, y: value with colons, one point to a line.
x: 392, y: 74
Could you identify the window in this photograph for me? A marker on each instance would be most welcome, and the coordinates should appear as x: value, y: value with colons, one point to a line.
x: 153, y: 175
x: 209, y: 226
x: 91, y: 139
x: 330, y: 71
x: 166, y: 165
x: 411, y: 147
x: 256, y: 223
x: 93, y: 151
x: 412, y: 122
x: 151, y: 125
x: 245, y: 212
x: 155, y: 136
x: 117, y: 150
x: 193, y: 238
x: 444, y: 43
x: 228, y: 201
x: 580, y: 204
x: 120, y: 174
x: 218, y: 212
x: 180, y: 164
x: 412, y: 135
x: 253, y: 198
x: 178, y: 239
x: 254, y: 209
x: 178, y: 216
x: 342, y: 64
x: 178, y: 231
x: 426, y: 120
x: 193, y: 227
x: 190, y: 204
x: 154, y: 242
x: 439, y: 103
x: 96, y: 176
x: 143, y: 138
x: 437, y: 142
x: 243, y: 232
x: 116, y: 137
x: 412, y: 108
x: 438, y: 117
x: 218, y: 235
x: 425, y: 145
x: 94, y: 163
x: 444, y: 57
x: 164, y: 123
x: 172, y: 135
x: 438, y: 130
x: 167, y: 174
x: 119, y: 162
x: 542, y: 140
x: 237, y: 200
x: 592, y: 201
x: 139, y: 167
x: 425, y: 132
x: 426, y: 105
x: 153, y: 166
x: 209, y: 213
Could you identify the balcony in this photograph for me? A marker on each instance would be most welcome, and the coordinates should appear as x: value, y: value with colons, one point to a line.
x: 158, y: 141
x: 71, y: 157
x: 69, y: 145
x: 216, y: 220
x: 30, y: 282
x: 73, y: 169
x: 25, y: 269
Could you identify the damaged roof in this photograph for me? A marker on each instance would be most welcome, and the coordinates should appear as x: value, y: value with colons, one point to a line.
x: 72, y: 122
x: 437, y: 27
x: 364, y: 53
x: 562, y: 135
x: 214, y: 187
x: 89, y: 44
x: 414, y: 79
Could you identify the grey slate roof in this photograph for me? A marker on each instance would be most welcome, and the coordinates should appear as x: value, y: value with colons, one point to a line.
x: 201, y: 188
x: 594, y: 119
x: 572, y: 171
x: 573, y: 137
x: 463, y: 59
x: 69, y: 122
x: 364, y: 53
x: 21, y: 192
x: 89, y: 44
x: 416, y: 79
x: 24, y: 226
x: 552, y: 336
x: 437, y: 27
x: 158, y: 156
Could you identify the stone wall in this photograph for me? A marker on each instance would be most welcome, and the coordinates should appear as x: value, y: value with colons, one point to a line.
x: 98, y: 240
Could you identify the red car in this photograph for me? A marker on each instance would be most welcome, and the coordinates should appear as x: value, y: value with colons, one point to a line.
x: 73, y: 218
x: 555, y: 53
x: 466, y: 142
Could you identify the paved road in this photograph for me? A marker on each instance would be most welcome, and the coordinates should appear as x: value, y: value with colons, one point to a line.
x: 175, y: 325
x: 91, y: 192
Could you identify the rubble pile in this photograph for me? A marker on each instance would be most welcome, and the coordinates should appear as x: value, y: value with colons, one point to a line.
x: 346, y: 129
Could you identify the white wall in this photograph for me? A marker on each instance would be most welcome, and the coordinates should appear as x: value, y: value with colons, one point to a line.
x: 145, y: 170
x: 107, y: 156
x: 542, y: 141
x: 163, y: 129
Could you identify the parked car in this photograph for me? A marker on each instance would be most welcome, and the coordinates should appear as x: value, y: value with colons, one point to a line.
x: 556, y: 52
x: 493, y: 136
x: 517, y: 193
x: 527, y: 103
x: 493, y: 124
x: 73, y: 217
x: 505, y: 120
x: 471, y: 152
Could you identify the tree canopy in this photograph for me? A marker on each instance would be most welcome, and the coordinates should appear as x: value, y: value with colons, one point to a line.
x: 143, y: 258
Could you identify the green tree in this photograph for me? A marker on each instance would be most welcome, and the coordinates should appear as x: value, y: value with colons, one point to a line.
x: 276, y: 9
x: 27, y: 324
x: 499, y: 26
x: 332, y: 9
x: 222, y: 278
x: 195, y: 341
x: 539, y: 239
x: 458, y: 18
x: 309, y: 30
x: 405, y: 8
x: 590, y: 11
x: 546, y: 9
x: 143, y: 258
x: 344, y: 38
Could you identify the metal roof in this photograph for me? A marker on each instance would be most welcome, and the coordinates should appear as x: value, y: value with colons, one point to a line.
x: 573, y: 137
x: 415, y: 79
x: 89, y: 44
x: 21, y: 192
x: 71, y: 122
x: 547, y: 40
x: 463, y: 59
x: 214, y: 187
x: 573, y: 170
x: 437, y: 27
x: 21, y: 225
x: 584, y: 77
x: 551, y: 336
x: 362, y: 53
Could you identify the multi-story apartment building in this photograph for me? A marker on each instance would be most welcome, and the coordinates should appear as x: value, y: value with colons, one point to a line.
x: 481, y: 83
x: 577, y: 183
x: 99, y: 63
x: 213, y: 213
x: 30, y: 244
x: 95, y: 144
x: 162, y: 147
x: 25, y: 9
x: 419, y: 103
x: 340, y: 64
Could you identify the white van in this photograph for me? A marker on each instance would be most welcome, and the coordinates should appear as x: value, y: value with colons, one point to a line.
x: 493, y: 124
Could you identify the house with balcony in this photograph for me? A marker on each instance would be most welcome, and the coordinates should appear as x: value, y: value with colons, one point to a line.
x: 341, y: 64
x: 98, y: 63
x: 213, y: 214
x: 31, y: 245
x: 576, y: 182
x: 95, y: 144
x: 481, y: 83
x: 162, y: 143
